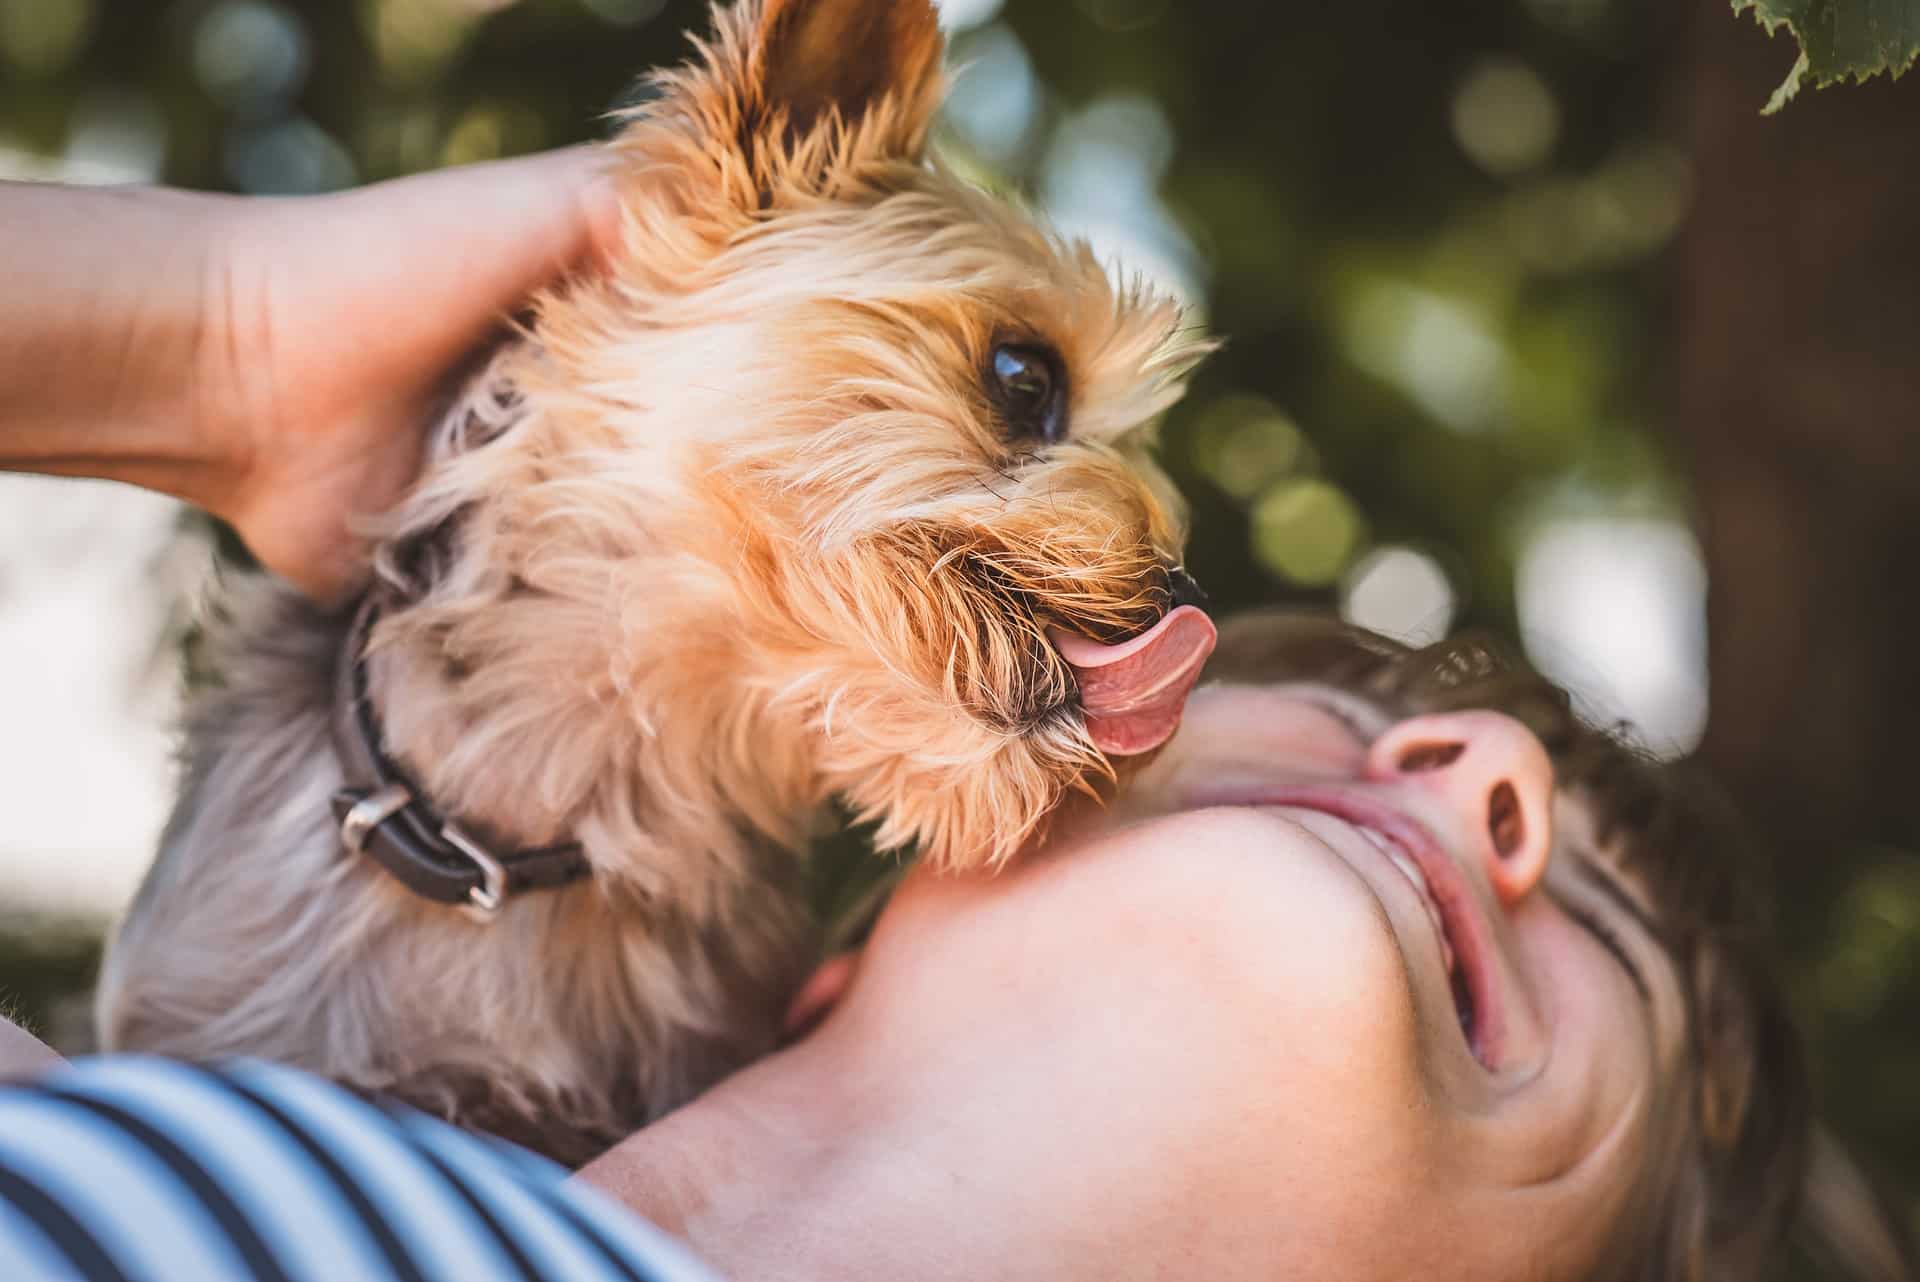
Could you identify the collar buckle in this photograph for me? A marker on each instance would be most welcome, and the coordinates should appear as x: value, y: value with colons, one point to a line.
x: 405, y: 849
x: 369, y: 812
x: 484, y: 900
x: 382, y: 815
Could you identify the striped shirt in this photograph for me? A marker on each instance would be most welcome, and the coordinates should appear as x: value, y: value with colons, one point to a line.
x: 145, y: 1170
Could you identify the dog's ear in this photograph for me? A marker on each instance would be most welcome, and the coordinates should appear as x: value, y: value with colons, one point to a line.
x: 818, y: 58
x: 792, y: 95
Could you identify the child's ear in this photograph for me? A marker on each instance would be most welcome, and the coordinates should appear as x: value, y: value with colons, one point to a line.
x: 818, y: 58
x: 820, y: 994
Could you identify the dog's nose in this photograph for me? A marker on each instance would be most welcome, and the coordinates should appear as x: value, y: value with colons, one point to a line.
x: 1184, y: 590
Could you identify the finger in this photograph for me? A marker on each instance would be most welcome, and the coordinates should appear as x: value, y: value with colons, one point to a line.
x: 479, y: 238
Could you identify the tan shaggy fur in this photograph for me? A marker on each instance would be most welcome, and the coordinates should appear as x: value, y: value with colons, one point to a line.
x: 729, y: 533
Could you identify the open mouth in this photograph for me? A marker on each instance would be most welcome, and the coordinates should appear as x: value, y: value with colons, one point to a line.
x: 1132, y: 693
x: 1466, y: 1010
x: 1462, y: 937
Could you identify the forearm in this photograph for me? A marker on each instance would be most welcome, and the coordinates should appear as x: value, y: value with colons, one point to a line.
x: 105, y: 296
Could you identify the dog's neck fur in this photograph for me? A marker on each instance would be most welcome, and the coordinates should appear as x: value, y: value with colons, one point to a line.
x: 530, y: 702
x: 575, y: 1017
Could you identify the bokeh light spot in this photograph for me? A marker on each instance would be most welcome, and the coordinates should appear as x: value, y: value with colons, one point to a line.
x: 1437, y: 349
x: 247, y: 54
x: 492, y: 130
x: 292, y: 157
x: 625, y: 13
x: 1614, y: 609
x: 116, y: 136
x: 1877, y: 933
x: 43, y: 37
x: 1244, y: 444
x: 1125, y: 15
x: 995, y: 101
x: 1101, y: 182
x: 1399, y: 592
x: 965, y: 15
x: 1307, y: 530
x: 1630, y: 207
x: 1592, y: 20
x: 417, y: 41
x: 1505, y: 118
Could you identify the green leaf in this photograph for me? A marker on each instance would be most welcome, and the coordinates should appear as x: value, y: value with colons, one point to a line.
x: 1840, y: 39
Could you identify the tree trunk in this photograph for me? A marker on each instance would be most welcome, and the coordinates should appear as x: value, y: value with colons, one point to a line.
x: 1797, y: 398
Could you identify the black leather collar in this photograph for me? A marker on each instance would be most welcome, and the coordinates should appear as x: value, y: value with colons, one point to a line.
x: 383, y: 815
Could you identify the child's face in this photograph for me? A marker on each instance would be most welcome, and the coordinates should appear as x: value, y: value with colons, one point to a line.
x: 1358, y: 986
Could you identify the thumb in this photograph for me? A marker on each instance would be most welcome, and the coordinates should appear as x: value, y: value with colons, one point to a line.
x: 560, y: 205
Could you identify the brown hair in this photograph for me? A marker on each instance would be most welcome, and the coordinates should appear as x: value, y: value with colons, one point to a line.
x: 1722, y: 1210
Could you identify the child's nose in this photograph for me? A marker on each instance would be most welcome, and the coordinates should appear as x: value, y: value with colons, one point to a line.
x: 1491, y: 773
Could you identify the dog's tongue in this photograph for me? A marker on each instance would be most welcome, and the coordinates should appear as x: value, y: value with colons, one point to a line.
x: 1133, y: 692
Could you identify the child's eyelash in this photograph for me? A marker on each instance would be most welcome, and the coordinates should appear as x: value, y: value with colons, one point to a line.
x: 1345, y: 716
x: 1610, y: 940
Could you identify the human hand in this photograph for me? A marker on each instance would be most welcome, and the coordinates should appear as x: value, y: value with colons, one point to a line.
x: 332, y: 324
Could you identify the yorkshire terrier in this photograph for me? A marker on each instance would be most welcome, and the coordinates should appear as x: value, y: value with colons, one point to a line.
x: 833, y: 487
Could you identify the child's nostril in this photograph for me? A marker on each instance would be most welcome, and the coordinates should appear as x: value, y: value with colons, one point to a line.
x: 1430, y: 756
x: 1504, y: 823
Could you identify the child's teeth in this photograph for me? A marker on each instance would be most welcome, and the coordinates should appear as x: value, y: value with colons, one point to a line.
x: 1412, y: 872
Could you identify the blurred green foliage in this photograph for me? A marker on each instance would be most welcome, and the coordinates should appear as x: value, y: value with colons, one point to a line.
x: 1433, y: 233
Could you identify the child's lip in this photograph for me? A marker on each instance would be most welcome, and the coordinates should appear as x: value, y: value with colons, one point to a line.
x: 1465, y: 927
x: 1133, y: 693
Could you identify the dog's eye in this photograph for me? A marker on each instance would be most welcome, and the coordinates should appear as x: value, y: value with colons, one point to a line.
x: 1031, y: 391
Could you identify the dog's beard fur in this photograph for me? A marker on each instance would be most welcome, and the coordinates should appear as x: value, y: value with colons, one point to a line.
x: 727, y: 533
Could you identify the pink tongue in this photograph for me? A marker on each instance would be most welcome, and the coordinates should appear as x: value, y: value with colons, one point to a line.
x: 1133, y: 692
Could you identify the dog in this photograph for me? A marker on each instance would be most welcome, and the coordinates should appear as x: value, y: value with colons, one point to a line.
x: 834, y: 487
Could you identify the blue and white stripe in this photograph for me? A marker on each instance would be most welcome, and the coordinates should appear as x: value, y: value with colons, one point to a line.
x: 151, y: 1171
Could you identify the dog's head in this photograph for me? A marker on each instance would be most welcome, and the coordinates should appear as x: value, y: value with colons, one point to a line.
x: 916, y: 425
